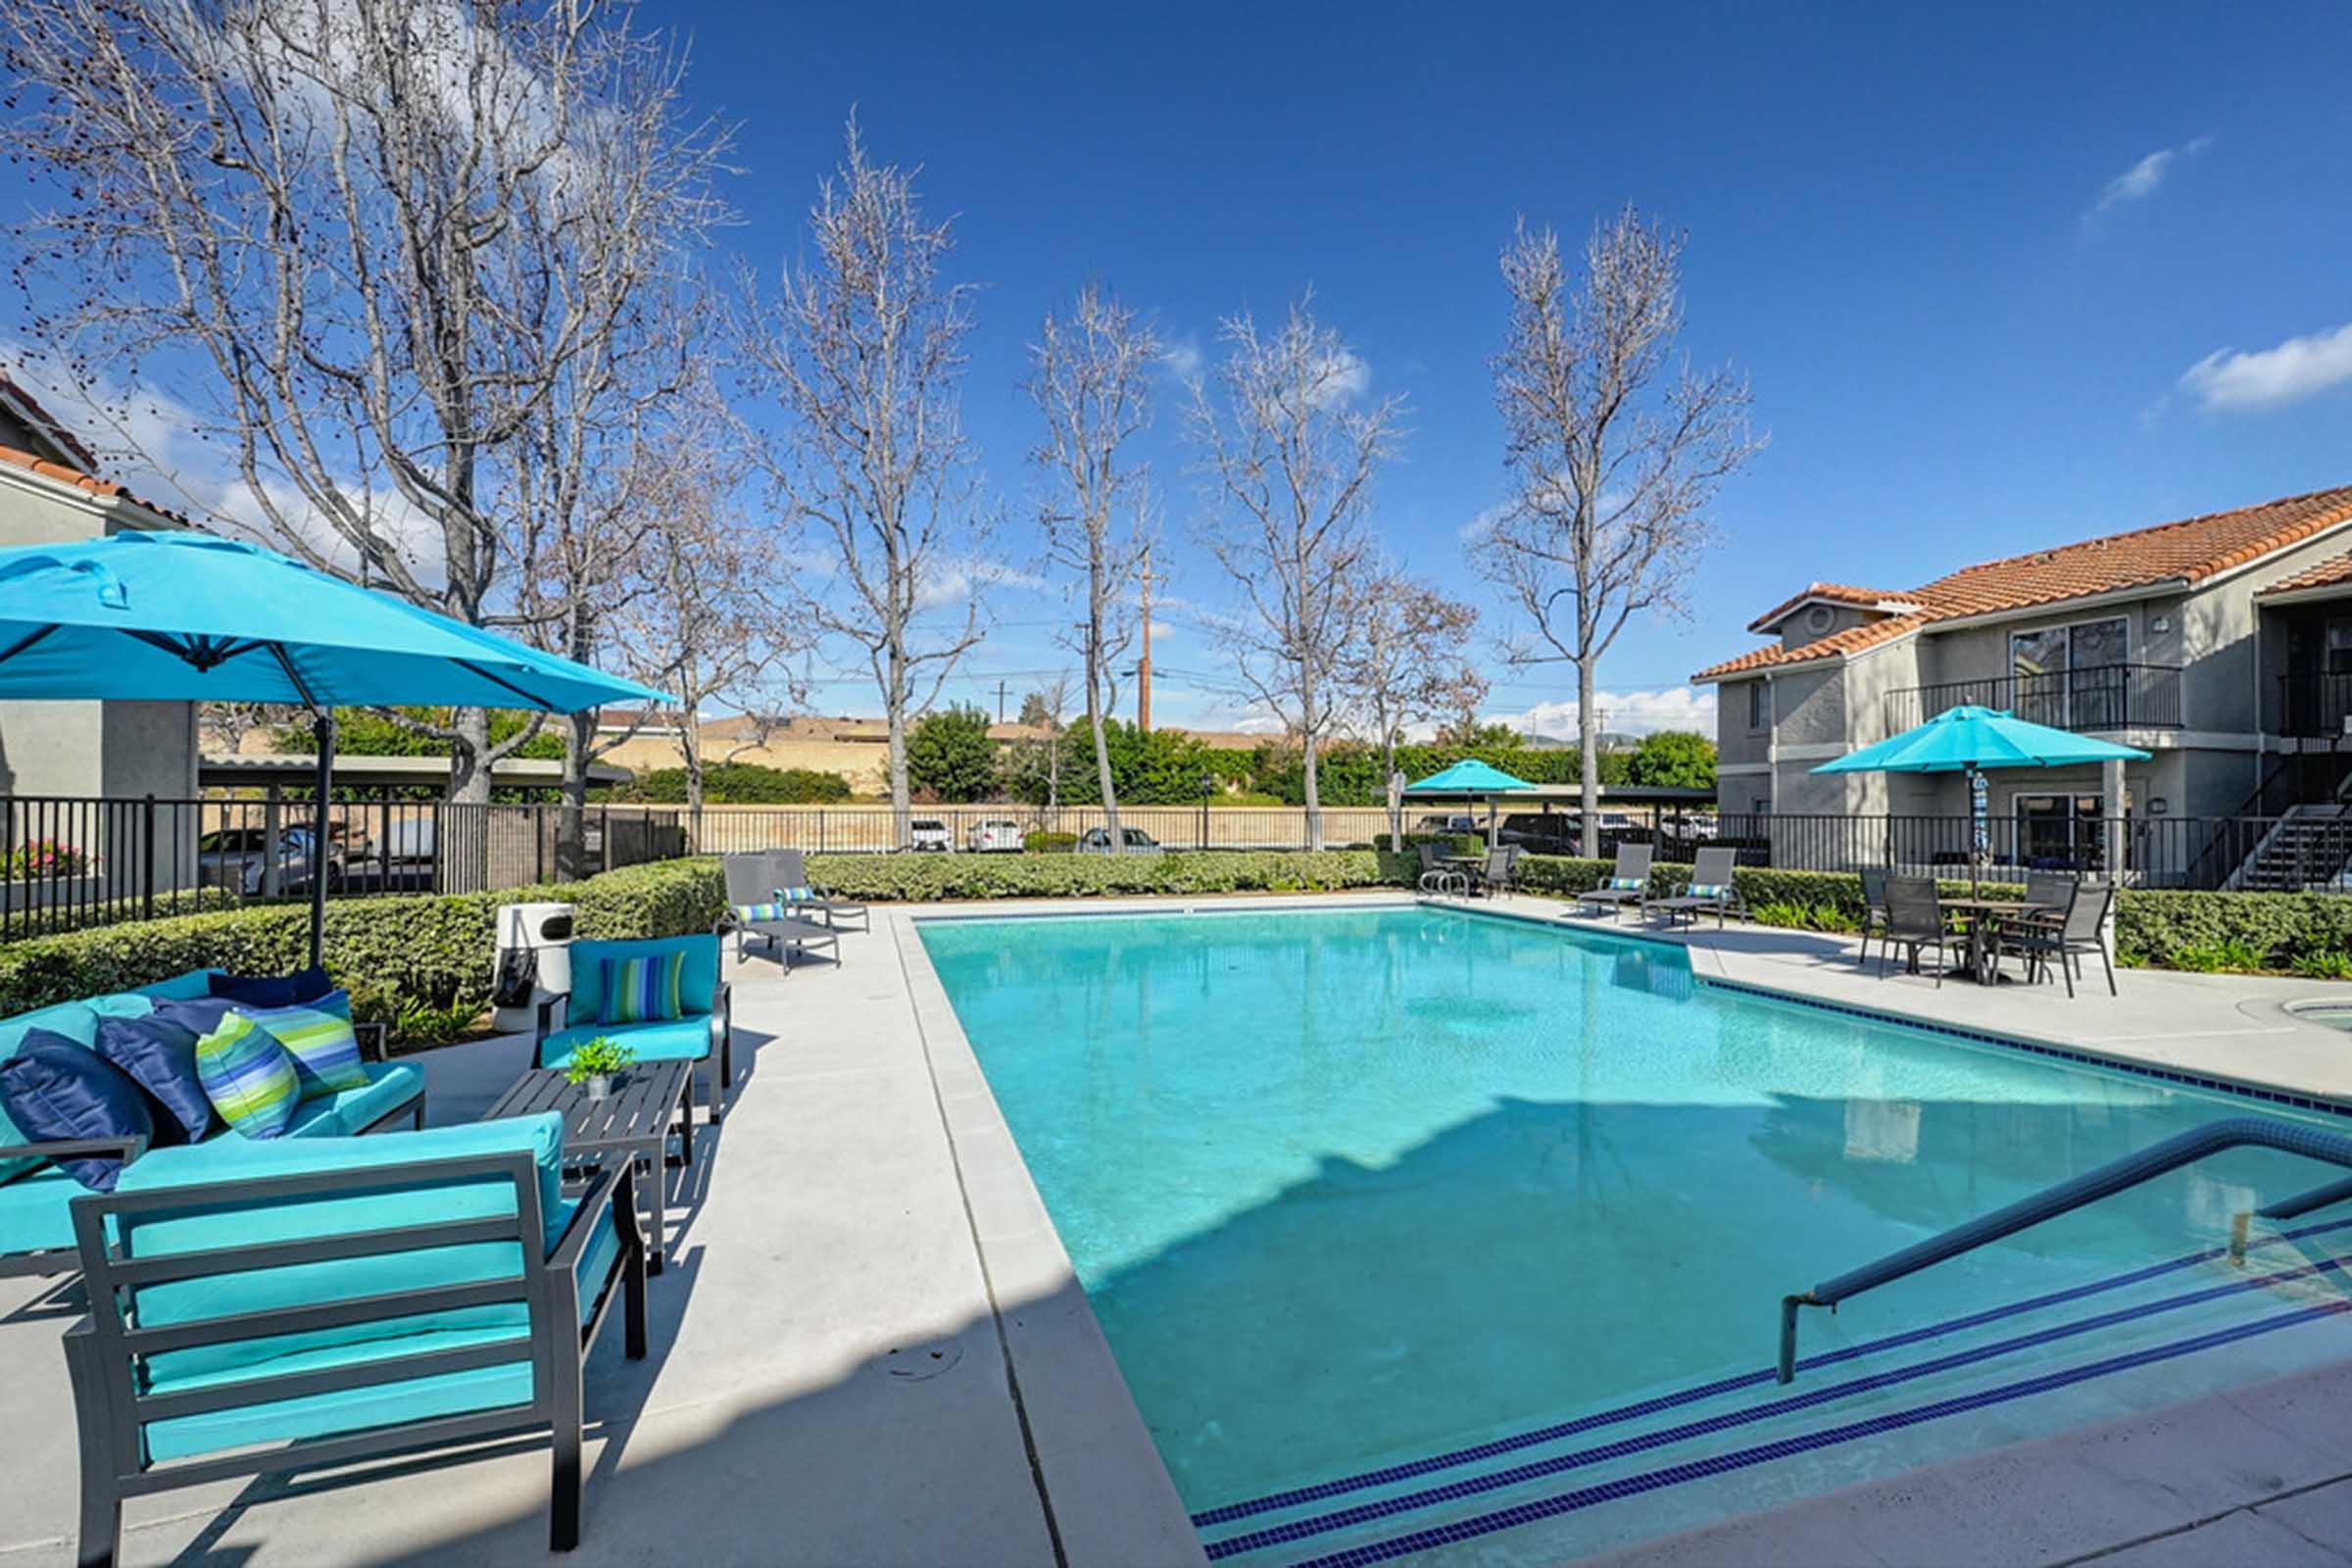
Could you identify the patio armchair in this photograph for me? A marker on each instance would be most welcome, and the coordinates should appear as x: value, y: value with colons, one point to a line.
x: 1627, y: 885
x: 754, y: 910
x: 313, y: 1304
x: 37, y: 1224
x: 1873, y: 908
x: 1711, y: 891
x: 2051, y: 890
x: 788, y: 873
x: 1498, y: 872
x: 702, y: 1024
x: 1915, y: 921
x: 2064, y: 937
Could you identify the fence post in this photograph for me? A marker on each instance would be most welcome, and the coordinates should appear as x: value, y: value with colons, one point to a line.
x: 147, y: 857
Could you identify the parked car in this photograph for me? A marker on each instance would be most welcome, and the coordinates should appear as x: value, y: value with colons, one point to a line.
x: 1450, y: 822
x: 239, y: 858
x: 929, y: 833
x: 998, y: 835
x: 1097, y: 840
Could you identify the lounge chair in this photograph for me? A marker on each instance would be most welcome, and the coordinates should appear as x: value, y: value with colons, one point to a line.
x: 1627, y: 885
x: 308, y: 1303
x: 1873, y: 908
x: 754, y: 910
x: 2067, y: 936
x: 1915, y: 920
x: 1710, y: 891
x: 789, y: 869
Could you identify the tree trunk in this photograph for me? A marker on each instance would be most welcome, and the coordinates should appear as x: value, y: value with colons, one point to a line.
x: 1588, y: 736
x: 469, y: 754
x: 1389, y: 793
x: 572, y: 831
x: 690, y: 747
x: 1315, y: 800
x: 900, y: 807
x: 1094, y: 722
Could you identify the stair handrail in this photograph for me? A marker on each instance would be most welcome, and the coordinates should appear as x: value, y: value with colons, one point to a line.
x: 2157, y: 1160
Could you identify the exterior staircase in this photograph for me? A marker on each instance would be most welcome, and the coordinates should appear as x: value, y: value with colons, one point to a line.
x: 2310, y: 849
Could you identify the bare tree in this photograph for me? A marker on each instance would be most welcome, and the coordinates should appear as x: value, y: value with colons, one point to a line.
x: 1616, y: 449
x: 865, y: 351
x: 1406, y: 662
x: 1090, y: 376
x: 1291, y: 455
x: 339, y: 220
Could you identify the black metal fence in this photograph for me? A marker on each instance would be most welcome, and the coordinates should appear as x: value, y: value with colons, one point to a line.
x: 2094, y: 697
x: 71, y: 862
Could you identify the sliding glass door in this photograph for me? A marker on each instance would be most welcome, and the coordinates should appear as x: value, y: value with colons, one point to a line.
x: 2073, y: 677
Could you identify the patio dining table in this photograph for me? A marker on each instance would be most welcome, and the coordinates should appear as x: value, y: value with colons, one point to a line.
x: 1986, y: 920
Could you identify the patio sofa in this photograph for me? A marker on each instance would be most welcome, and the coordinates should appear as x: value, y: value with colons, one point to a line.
x: 705, y: 1023
x: 36, y: 1228
x: 299, y: 1303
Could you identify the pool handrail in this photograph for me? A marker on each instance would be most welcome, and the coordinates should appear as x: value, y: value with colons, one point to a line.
x: 2158, y: 1158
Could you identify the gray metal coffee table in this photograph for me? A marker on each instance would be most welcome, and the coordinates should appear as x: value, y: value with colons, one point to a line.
x: 634, y: 1120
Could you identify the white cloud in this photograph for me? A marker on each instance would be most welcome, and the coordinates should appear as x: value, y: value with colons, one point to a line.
x: 2145, y: 178
x: 1184, y: 358
x: 1621, y: 713
x: 952, y: 583
x: 1483, y: 524
x: 2269, y: 378
x: 1341, y: 379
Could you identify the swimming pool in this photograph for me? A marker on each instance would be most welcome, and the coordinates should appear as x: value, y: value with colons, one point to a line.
x: 1421, y: 1232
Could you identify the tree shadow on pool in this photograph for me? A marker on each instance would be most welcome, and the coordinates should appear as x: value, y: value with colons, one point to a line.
x: 1543, y: 1257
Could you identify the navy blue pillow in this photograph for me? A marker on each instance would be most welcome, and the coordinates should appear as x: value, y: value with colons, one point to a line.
x: 199, y: 1015
x: 54, y: 1089
x: 269, y: 991
x: 159, y: 1055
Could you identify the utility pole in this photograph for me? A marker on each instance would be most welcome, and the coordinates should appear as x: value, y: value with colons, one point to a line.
x: 999, y: 700
x: 1143, y: 665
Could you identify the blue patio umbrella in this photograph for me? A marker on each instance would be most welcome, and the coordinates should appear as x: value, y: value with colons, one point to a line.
x: 189, y: 617
x: 1471, y: 777
x: 1970, y: 740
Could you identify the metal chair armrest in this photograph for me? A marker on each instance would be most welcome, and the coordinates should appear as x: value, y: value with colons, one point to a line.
x: 130, y: 1149
x: 543, y: 1019
x: 375, y: 1041
x: 605, y: 1189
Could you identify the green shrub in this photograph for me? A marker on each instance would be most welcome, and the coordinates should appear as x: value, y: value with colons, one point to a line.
x: 2323, y: 964
x: 742, y: 784
x: 437, y: 948
x: 2280, y: 926
x: 917, y: 878
x: 2216, y: 958
x: 1451, y: 843
x: 1040, y: 841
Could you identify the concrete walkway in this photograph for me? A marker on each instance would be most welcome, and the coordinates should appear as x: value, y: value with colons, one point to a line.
x: 869, y: 1347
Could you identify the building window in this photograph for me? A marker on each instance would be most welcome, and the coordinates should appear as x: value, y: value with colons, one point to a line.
x: 2059, y: 832
x: 1762, y: 806
x: 2071, y: 677
x: 1759, y: 704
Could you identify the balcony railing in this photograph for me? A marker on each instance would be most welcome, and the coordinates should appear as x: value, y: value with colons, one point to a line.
x: 2094, y: 697
x: 2316, y: 705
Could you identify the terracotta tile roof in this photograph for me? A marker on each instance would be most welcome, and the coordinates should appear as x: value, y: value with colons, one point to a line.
x: 2189, y: 550
x: 14, y: 395
x: 96, y: 486
x: 1837, y: 593
x: 2329, y: 574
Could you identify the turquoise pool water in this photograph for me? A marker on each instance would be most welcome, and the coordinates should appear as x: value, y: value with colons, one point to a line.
x: 1348, y: 1189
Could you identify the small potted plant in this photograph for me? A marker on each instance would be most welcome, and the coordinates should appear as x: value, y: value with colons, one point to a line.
x: 596, y: 1064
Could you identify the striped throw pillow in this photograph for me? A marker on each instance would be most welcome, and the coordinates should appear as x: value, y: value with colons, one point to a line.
x: 320, y: 1038
x: 795, y: 894
x: 753, y: 913
x: 1625, y: 884
x: 1709, y: 890
x: 248, y: 1076
x: 644, y: 990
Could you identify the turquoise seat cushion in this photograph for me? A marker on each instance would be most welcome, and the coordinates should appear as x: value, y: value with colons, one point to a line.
x: 670, y: 1039
x: 181, y: 986
x: 323, y: 1415
x: 697, y: 984
x: 35, y: 1215
x: 275, y: 1219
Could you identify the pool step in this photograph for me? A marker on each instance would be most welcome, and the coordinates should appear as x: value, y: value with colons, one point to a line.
x: 1892, y: 1391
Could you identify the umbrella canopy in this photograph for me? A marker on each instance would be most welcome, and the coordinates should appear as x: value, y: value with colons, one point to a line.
x: 190, y: 616
x: 1967, y: 740
x: 194, y: 617
x: 1469, y: 776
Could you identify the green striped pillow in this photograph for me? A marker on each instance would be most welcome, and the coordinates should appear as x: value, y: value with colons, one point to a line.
x: 319, y: 1036
x: 248, y: 1076
x: 644, y: 990
x: 1709, y: 890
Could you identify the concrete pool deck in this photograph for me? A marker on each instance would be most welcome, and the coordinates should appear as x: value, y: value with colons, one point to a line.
x: 869, y: 1347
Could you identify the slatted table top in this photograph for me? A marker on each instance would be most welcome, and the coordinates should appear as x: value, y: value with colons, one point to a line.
x: 641, y: 1107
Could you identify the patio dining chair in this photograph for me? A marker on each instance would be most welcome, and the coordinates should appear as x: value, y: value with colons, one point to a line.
x: 1626, y: 885
x: 2051, y: 890
x: 1915, y: 920
x: 1501, y: 872
x: 1437, y: 877
x: 1873, y: 908
x: 2066, y: 936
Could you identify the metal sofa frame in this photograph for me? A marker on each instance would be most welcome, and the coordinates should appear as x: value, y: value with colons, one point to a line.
x: 103, y: 1350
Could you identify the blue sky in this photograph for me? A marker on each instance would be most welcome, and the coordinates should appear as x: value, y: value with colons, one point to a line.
x: 1967, y: 255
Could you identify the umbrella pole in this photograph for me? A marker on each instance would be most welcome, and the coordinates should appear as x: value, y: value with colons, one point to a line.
x: 322, y: 725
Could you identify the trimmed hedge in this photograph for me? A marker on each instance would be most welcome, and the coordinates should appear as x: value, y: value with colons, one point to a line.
x: 917, y: 878
x: 438, y: 946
